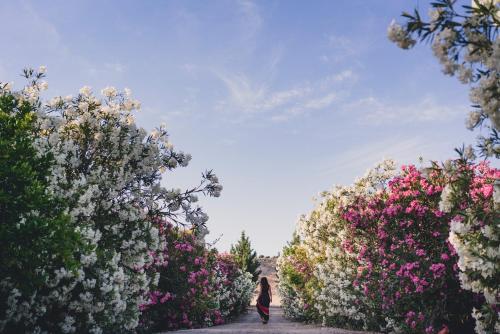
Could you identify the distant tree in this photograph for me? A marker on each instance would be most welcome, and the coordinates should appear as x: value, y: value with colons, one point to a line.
x: 246, y: 257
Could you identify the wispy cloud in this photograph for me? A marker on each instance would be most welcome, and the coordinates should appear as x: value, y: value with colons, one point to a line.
x: 358, y: 158
x: 247, y: 98
x: 322, y: 102
x: 340, y: 48
x: 251, y: 17
x: 376, y: 111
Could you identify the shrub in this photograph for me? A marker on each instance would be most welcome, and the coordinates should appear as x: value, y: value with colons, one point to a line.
x: 195, y: 287
x: 472, y: 198
x: 35, y: 233
x: 106, y: 171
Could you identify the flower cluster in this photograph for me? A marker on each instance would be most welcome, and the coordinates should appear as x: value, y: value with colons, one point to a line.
x: 466, y: 42
x: 98, y: 187
x: 381, y: 258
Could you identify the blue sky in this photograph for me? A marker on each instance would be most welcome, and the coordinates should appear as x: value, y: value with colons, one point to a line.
x: 282, y: 99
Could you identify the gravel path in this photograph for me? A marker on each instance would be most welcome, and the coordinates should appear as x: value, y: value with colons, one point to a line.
x: 250, y: 323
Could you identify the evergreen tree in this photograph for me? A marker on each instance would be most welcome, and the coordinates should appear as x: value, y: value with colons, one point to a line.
x: 246, y: 257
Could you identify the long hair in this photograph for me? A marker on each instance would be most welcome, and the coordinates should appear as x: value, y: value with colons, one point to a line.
x: 264, y: 284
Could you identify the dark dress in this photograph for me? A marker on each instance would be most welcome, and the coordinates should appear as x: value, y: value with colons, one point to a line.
x: 263, y: 304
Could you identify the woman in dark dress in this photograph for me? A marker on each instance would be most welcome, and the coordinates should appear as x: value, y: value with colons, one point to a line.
x: 265, y: 298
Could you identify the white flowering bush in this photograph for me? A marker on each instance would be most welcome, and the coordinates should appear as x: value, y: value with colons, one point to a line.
x: 107, y: 171
x: 466, y: 42
x: 323, y: 235
x: 234, y: 287
x: 473, y: 196
x: 36, y: 235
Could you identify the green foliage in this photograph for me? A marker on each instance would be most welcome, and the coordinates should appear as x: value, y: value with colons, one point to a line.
x: 35, y: 234
x: 246, y: 257
x: 297, y: 283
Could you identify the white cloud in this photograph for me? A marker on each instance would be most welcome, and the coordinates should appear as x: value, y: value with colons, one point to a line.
x: 376, y: 111
x: 322, y: 102
x: 247, y: 98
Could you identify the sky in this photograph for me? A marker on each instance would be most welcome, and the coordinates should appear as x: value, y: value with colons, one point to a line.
x: 282, y: 99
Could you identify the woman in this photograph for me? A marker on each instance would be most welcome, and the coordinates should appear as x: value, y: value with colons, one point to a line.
x: 265, y: 298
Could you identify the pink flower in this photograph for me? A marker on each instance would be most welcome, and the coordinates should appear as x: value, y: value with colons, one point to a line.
x: 165, y: 298
x: 487, y: 190
x: 438, y: 269
x: 420, y: 252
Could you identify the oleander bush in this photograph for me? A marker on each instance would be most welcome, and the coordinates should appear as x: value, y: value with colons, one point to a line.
x: 399, y: 251
x: 80, y: 200
x: 195, y: 286
x: 297, y: 283
x: 36, y: 235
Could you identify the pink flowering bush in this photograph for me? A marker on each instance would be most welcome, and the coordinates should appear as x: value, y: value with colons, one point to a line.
x: 407, y: 268
x: 409, y: 252
x: 195, y: 287
x: 181, y: 296
x: 234, y: 287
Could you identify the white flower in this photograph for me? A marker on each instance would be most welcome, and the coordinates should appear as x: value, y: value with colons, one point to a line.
x: 459, y: 227
x: 42, y: 69
x: 469, y: 153
x: 43, y: 85
x: 86, y: 91
x: 434, y: 14
x: 8, y: 86
x: 83, y: 106
x: 398, y: 35
x: 489, y: 232
x: 445, y: 204
x: 473, y: 119
x: 155, y: 134
x: 109, y: 92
